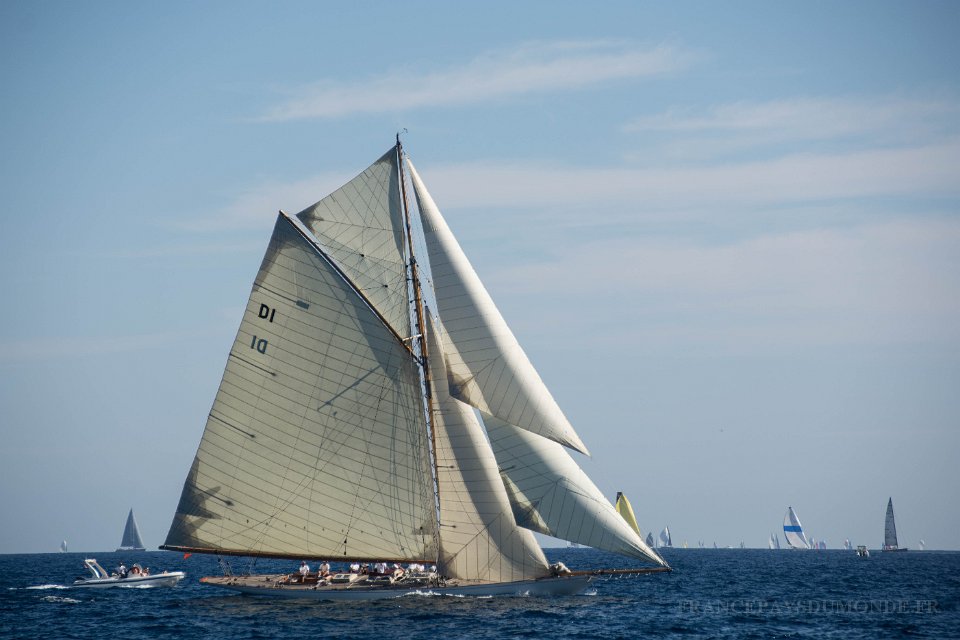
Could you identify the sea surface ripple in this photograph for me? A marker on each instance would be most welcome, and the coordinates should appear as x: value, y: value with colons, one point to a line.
x: 712, y: 593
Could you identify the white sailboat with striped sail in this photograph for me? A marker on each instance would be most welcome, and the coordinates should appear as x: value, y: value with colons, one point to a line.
x: 793, y: 531
x: 348, y: 423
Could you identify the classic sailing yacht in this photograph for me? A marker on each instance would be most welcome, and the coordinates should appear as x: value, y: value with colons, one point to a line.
x: 793, y: 531
x: 348, y: 425
x: 131, y: 540
x: 890, y: 531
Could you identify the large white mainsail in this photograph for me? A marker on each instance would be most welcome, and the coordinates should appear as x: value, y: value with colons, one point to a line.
x: 567, y: 501
x: 315, y: 443
x: 479, y: 539
x: 486, y: 366
x: 793, y: 531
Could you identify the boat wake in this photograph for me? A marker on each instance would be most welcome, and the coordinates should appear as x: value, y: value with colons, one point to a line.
x: 46, y: 586
x: 60, y: 599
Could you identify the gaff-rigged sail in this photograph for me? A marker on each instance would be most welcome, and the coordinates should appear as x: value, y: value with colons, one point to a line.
x: 563, y: 496
x: 479, y: 539
x: 793, y: 531
x: 486, y: 366
x: 315, y: 445
x: 360, y: 225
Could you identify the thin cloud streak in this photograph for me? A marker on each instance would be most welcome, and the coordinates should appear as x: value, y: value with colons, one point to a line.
x: 534, y: 67
x: 871, y: 120
x: 895, y: 282
x: 926, y: 171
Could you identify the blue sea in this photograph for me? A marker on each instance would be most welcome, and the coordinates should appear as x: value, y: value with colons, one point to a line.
x: 726, y: 593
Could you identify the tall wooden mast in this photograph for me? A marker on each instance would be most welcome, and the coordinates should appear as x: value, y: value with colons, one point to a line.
x: 421, y: 330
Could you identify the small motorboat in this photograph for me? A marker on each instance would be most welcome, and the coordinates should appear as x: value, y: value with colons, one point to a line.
x: 862, y: 551
x: 101, y: 578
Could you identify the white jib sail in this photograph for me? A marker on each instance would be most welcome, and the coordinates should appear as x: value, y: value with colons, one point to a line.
x: 479, y: 539
x: 793, y: 532
x: 567, y: 501
x: 360, y: 225
x: 486, y: 366
x: 316, y: 444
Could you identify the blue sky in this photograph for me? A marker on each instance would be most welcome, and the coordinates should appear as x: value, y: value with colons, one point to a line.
x: 727, y: 235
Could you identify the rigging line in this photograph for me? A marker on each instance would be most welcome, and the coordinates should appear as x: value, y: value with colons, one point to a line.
x: 427, y: 381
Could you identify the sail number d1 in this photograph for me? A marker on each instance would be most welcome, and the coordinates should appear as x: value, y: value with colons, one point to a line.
x: 268, y: 314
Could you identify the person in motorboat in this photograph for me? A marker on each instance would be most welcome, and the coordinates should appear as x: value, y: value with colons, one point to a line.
x: 122, y: 571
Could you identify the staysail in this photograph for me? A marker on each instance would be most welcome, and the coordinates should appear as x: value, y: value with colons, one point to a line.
x: 486, y: 366
x: 479, y: 539
x: 131, y: 540
x: 315, y: 444
x: 549, y: 482
x: 793, y: 532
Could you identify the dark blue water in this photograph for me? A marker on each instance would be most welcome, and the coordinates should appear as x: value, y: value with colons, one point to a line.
x: 712, y: 593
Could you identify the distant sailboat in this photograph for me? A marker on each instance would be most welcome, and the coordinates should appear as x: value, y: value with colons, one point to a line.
x: 63, y: 546
x: 847, y: 545
x: 923, y: 545
x: 650, y: 541
x: 131, y: 536
x: 890, y: 531
x: 665, y: 540
x: 793, y: 532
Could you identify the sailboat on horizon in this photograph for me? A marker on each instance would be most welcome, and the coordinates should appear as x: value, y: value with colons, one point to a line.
x: 367, y: 416
x: 890, y: 530
x: 665, y: 539
x: 793, y: 531
x: 131, y: 540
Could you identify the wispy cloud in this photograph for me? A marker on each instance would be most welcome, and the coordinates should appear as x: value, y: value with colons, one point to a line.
x: 870, y: 120
x: 530, y: 68
x: 609, y: 195
x: 896, y: 282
